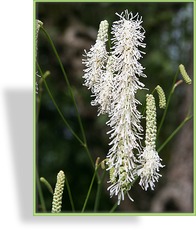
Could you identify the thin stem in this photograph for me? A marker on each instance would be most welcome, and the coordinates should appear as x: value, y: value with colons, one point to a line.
x: 89, y: 191
x: 99, y: 189
x: 38, y: 102
x: 69, y: 193
x: 114, y: 207
x: 88, y: 153
x: 167, y: 104
x: 41, y: 197
x: 47, y: 184
x: 59, y: 111
x: 70, y: 91
x: 67, y: 81
x: 38, y: 97
x: 174, y: 133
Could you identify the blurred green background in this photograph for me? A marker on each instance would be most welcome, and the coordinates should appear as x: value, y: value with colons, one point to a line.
x: 73, y: 28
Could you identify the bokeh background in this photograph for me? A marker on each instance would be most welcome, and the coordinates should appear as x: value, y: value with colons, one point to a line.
x: 169, y: 42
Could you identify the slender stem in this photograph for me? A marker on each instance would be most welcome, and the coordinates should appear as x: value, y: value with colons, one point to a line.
x: 114, y: 207
x: 70, y: 91
x: 38, y: 96
x: 67, y: 81
x: 59, y: 111
x: 89, y: 155
x: 38, y: 102
x: 89, y: 191
x: 69, y: 193
x: 47, y: 184
x: 99, y: 188
x: 41, y: 197
x: 174, y: 133
x: 167, y: 104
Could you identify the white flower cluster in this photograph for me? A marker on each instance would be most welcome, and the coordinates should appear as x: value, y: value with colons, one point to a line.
x: 150, y: 162
x: 113, y: 78
x: 96, y: 59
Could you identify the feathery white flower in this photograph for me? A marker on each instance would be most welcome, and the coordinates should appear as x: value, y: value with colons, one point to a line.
x: 103, y: 88
x: 114, y: 87
x: 151, y: 162
x: 96, y: 58
x: 124, y: 121
x: 149, y: 159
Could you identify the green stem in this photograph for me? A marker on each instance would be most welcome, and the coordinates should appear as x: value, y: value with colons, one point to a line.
x: 70, y: 91
x: 59, y: 111
x: 89, y: 191
x: 114, y: 207
x: 43, y: 206
x: 70, y: 195
x: 47, y: 184
x: 99, y: 188
x: 167, y: 104
x: 38, y: 103
x: 174, y: 133
x: 38, y: 97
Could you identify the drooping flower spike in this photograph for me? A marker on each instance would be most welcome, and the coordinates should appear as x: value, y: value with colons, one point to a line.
x: 184, y: 74
x: 162, y: 98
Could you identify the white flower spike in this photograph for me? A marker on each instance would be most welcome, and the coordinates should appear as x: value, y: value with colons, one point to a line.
x: 113, y: 78
x: 96, y: 58
x: 149, y: 159
x: 125, y: 133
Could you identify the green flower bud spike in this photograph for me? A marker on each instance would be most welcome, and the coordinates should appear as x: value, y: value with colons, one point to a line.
x: 162, y: 98
x: 58, y: 193
x: 103, y: 31
x: 151, y: 126
x: 184, y: 74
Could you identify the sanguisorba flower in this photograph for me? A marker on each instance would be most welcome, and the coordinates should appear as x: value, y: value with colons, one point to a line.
x: 58, y: 192
x: 162, y: 98
x: 149, y: 159
x: 96, y: 58
x: 113, y: 78
x: 103, y: 88
x: 184, y: 74
x: 124, y: 121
